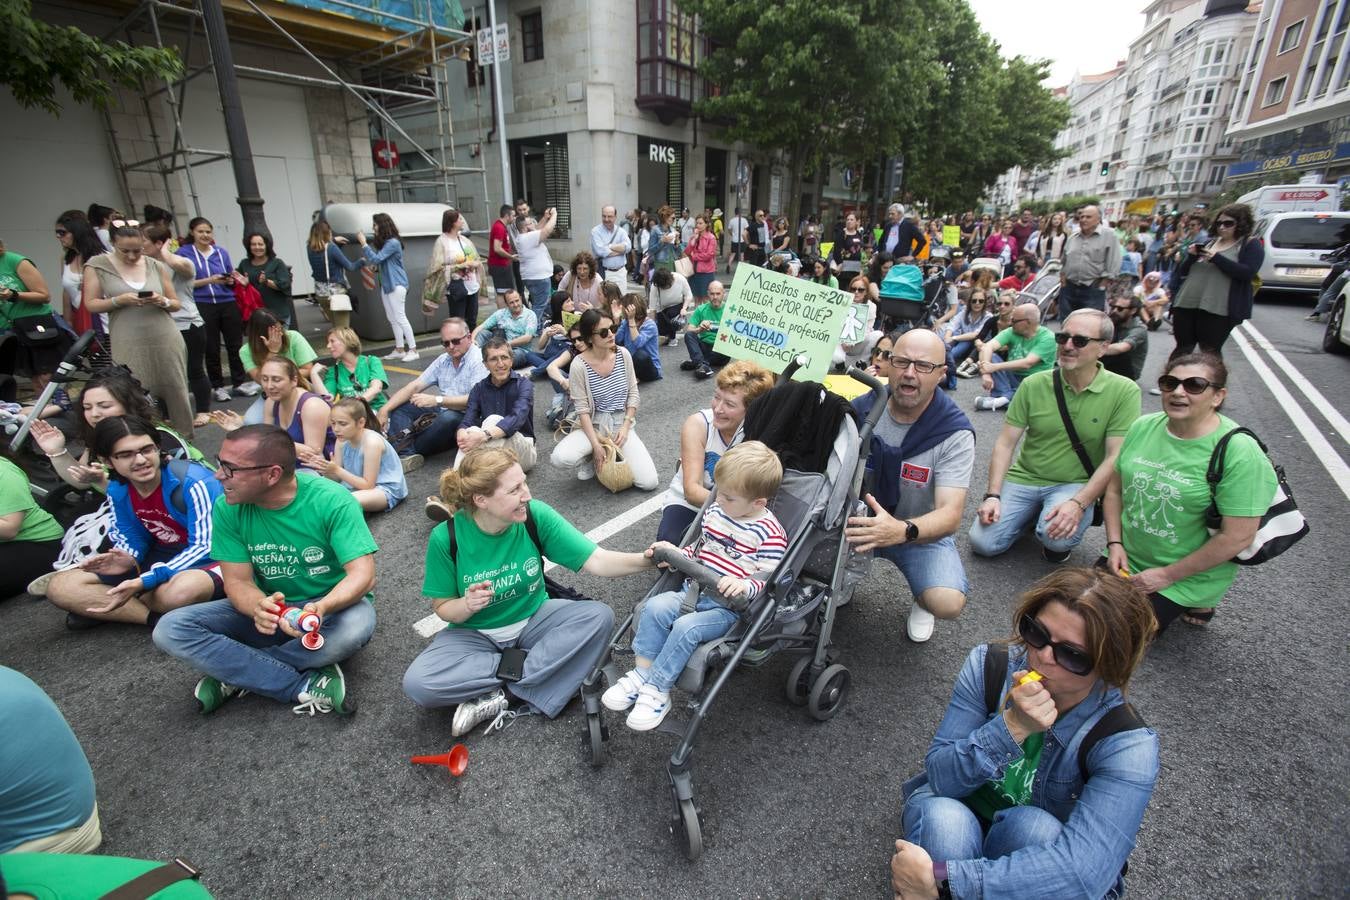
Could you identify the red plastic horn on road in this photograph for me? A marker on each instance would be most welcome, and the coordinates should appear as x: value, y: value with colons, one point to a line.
x: 456, y: 760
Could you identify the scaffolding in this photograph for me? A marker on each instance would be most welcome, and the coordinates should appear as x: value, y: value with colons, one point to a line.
x: 393, y: 64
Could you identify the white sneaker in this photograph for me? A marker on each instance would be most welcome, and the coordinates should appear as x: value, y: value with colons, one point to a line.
x: 410, y: 356
x: 920, y: 625
x: 248, y: 389
x: 479, y: 709
x: 586, y: 471
x: 991, y: 402
x: 38, y: 586
x: 649, y: 709
x: 221, y: 394
x: 624, y: 692
x: 396, y: 353
x: 412, y: 462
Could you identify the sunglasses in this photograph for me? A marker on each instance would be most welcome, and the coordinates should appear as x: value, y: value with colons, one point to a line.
x: 451, y: 342
x: 229, y: 470
x: 149, y: 451
x: 602, y: 332
x: 124, y: 223
x: 1068, y: 657
x: 1193, y: 385
x: 901, y: 363
x: 1225, y: 223
x: 860, y: 290
x: 1079, y: 340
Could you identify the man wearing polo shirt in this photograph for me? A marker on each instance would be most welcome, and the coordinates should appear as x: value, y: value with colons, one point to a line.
x: 610, y: 245
x: 1048, y: 485
x: 453, y: 373
x: 516, y: 324
x: 1091, y: 258
x: 1025, y: 348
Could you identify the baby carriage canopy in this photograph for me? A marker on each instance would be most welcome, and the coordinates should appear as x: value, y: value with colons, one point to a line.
x: 902, y: 294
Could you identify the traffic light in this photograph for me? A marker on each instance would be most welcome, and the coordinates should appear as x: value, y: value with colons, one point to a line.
x: 1106, y: 169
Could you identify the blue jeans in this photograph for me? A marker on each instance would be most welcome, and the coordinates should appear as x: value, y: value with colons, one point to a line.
x: 217, y: 639
x: 1019, y: 505
x: 960, y: 350
x: 668, y: 639
x: 932, y: 565
x: 439, y: 438
x: 1005, y: 383
x: 539, y: 292
x: 948, y: 829
x: 702, y: 353
x: 1328, y: 296
x: 1077, y: 296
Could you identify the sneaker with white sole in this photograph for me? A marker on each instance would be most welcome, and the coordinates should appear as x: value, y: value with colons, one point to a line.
x: 325, y: 693
x: 586, y: 471
x: 624, y: 692
x: 38, y: 586
x: 396, y: 353
x: 991, y: 402
x: 412, y: 462
x: 212, y: 694
x: 247, y: 389
x: 479, y: 709
x: 410, y: 356
x: 649, y: 709
x: 920, y: 624
x: 221, y: 394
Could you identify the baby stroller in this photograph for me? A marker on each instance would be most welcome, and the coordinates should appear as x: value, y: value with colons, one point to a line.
x: 795, y: 613
x: 908, y: 300
x: 1044, y: 290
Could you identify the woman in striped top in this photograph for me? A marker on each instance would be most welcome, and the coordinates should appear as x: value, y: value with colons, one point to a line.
x: 603, y: 383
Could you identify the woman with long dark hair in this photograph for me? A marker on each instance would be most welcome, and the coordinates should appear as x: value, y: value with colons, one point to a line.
x: 386, y: 251
x: 79, y: 244
x: 213, y: 292
x: 268, y: 274
x: 1214, y: 282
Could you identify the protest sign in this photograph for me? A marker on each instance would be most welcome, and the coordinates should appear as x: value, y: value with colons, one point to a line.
x: 771, y: 318
x: 951, y: 235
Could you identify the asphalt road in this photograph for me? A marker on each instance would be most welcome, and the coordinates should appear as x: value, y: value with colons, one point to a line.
x: 1251, y: 712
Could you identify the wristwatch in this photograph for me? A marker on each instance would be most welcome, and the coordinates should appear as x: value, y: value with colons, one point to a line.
x: 911, y: 531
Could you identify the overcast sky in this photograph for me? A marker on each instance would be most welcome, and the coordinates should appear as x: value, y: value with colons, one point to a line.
x: 1084, y: 36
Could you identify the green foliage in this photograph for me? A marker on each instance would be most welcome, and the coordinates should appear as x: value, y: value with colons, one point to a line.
x: 37, y: 55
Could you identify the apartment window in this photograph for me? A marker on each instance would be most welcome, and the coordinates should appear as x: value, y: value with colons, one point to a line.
x: 1216, y: 175
x: 532, y: 36
x: 1306, y: 82
x: 1275, y: 91
x: 1291, y: 38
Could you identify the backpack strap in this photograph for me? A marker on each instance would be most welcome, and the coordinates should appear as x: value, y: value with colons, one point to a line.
x: 1120, y: 718
x: 995, y: 673
x: 531, y: 527
x: 152, y: 881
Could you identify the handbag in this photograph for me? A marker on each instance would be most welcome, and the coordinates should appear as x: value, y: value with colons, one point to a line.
x: 685, y: 266
x: 614, y: 473
x: 247, y: 298
x: 1282, y: 525
x: 434, y: 285
x: 1098, y: 516
x: 340, y: 302
x: 40, y: 331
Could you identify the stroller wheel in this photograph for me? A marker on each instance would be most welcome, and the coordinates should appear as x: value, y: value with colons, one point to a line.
x: 687, y: 830
x: 828, y: 692
x: 798, y: 687
x: 594, y: 739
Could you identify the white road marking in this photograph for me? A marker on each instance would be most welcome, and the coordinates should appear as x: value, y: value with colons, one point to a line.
x: 433, y: 623
x: 1319, y: 402
x: 1320, y: 446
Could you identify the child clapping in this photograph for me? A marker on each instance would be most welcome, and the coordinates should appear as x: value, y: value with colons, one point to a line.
x: 740, y: 539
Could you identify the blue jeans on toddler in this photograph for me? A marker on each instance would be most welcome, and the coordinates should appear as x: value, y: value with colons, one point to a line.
x: 668, y: 639
x: 217, y: 639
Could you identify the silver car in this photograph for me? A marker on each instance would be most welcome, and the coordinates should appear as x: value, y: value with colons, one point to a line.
x: 1295, y: 243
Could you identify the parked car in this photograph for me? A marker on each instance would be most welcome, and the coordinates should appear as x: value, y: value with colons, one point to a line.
x: 1295, y: 244
x: 1336, y: 339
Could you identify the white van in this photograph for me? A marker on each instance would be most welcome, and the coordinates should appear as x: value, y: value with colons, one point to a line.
x: 1295, y: 244
x: 1282, y: 198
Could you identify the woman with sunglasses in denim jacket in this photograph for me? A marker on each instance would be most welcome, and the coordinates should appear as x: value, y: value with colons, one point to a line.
x: 1156, y: 500
x: 1002, y: 808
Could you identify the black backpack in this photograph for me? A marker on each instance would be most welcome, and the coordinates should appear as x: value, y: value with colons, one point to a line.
x: 556, y: 590
x: 1118, y: 719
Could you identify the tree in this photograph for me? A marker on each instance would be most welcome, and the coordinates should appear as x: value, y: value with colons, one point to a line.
x: 38, y: 55
x: 813, y: 80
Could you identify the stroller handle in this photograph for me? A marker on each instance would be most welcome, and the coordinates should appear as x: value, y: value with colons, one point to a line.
x: 64, y: 369
x: 879, y: 390
x: 676, y: 560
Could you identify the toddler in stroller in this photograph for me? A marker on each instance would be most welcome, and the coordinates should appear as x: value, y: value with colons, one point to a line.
x: 739, y: 539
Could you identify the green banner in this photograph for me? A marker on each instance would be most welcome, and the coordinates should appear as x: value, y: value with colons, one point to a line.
x: 771, y: 318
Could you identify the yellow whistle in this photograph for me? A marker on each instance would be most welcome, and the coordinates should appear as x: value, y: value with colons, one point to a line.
x: 1123, y: 573
x: 1031, y: 676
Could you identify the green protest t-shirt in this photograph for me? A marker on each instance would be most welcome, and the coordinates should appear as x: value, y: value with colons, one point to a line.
x: 297, y: 351
x: 299, y: 549
x: 1014, y: 788
x: 1105, y: 408
x: 509, y: 560
x: 38, y: 524
x: 68, y: 876
x: 706, y: 313
x: 1164, y: 495
x: 1041, y: 344
x: 9, y: 279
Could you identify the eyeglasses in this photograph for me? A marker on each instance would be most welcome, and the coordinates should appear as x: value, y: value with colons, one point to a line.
x: 124, y: 223
x: 1225, y: 223
x: 860, y: 290
x: 1069, y: 657
x: 229, y: 470
x: 149, y: 451
x: 1193, y: 385
x: 1079, y: 340
x: 900, y: 364
x: 61, y: 232
x: 453, y: 341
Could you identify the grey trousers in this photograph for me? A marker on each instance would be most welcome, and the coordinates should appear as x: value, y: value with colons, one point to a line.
x: 565, y: 639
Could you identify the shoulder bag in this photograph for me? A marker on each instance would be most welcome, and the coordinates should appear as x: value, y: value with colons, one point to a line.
x: 1282, y: 526
x: 1098, y: 517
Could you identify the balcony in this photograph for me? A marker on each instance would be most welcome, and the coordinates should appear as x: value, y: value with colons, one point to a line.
x: 667, y: 83
x: 1172, y: 89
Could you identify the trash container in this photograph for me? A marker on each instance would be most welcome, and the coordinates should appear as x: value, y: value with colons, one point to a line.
x: 419, y: 224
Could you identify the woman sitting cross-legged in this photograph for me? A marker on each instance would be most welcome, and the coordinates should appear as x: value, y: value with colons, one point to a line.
x: 485, y: 578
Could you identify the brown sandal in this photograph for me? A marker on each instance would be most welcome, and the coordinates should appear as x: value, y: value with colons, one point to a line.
x: 1198, y: 617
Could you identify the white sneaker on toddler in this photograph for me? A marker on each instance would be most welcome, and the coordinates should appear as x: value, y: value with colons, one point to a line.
x: 649, y: 709
x: 624, y: 692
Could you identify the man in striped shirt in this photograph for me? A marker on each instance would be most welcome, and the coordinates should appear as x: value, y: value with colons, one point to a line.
x: 742, y: 541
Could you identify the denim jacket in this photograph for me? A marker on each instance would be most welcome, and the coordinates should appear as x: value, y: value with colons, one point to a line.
x: 1101, y: 817
x: 390, y: 260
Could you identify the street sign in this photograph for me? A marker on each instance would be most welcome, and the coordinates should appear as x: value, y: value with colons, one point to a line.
x: 492, y: 48
x: 386, y: 154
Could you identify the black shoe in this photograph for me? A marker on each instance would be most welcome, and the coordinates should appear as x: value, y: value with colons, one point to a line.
x: 704, y: 371
x: 77, y: 622
x: 1054, y: 556
x: 688, y: 365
